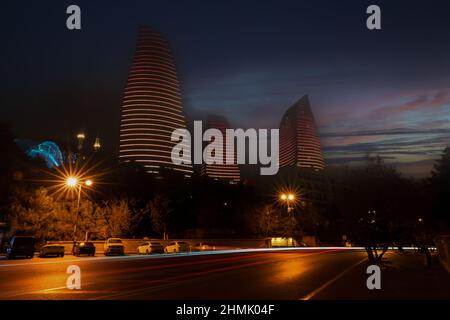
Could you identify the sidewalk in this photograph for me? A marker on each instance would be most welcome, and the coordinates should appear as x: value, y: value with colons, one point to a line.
x: 404, y: 276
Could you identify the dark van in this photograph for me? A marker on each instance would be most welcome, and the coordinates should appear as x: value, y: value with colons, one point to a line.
x: 21, y: 246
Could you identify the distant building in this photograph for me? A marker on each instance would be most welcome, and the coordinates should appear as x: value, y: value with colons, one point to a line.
x: 151, y: 107
x: 299, y: 138
x: 225, y: 172
x: 97, y: 144
x: 80, y: 138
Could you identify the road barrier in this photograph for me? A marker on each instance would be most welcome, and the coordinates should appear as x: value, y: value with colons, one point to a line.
x: 442, y: 243
x: 131, y: 245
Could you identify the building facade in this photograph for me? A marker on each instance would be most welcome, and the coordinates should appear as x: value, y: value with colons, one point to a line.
x: 225, y: 172
x: 299, y: 139
x: 151, y: 107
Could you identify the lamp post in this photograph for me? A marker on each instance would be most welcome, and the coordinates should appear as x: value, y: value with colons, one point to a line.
x: 73, y: 182
x: 289, y: 198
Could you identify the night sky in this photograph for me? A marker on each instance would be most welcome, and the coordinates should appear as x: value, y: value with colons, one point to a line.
x: 383, y: 92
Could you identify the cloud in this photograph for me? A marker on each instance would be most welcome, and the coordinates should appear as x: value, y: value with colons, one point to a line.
x: 423, y: 101
x: 387, y: 132
x: 412, y: 151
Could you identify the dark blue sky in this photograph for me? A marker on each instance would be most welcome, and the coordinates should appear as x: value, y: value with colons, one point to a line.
x: 385, y: 91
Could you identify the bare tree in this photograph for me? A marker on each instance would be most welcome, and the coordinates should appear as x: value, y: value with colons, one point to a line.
x: 160, y: 210
x: 115, y: 218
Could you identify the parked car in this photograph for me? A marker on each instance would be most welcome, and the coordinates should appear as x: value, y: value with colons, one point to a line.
x: 203, y: 246
x: 177, y: 246
x: 55, y: 250
x: 21, y: 246
x: 151, y: 247
x: 85, y: 247
x: 114, y: 246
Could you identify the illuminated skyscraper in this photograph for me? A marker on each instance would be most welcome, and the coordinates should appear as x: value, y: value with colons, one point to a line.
x: 299, y: 139
x: 226, y: 172
x: 152, y: 107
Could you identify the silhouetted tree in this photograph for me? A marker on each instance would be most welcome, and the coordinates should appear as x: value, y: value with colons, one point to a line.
x: 375, y: 202
x: 11, y: 159
x: 160, y: 210
x: 440, y: 185
x: 267, y: 220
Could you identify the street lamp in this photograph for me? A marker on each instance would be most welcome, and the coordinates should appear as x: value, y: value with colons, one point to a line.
x: 71, y: 182
x: 288, y: 198
x: 74, y: 182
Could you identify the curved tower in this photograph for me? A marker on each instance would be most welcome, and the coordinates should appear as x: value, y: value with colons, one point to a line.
x: 225, y: 172
x: 152, y: 107
x: 299, y: 138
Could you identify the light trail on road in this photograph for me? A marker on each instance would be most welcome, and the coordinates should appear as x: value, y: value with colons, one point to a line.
x: 251, y: 273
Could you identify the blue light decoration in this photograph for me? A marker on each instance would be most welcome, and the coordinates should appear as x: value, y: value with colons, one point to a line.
x: 49, y: 151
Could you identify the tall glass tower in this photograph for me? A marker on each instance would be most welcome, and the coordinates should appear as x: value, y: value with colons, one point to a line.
x: 299, y: 138
x: 151, y: 107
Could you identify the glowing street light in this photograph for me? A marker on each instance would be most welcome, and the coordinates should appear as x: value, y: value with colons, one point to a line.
x: 74, y: 182
x: 288, y: 198
x: 71, y: 182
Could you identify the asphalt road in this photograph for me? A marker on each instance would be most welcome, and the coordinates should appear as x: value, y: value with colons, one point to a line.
x: 236, y: 275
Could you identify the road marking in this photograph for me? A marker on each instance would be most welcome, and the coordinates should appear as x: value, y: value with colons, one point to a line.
x: 225, y: 260
x: 173, y: 281
x: 51, y: 289
x: 191, y: 277
x: 330, y: 282
x: 23, y: 292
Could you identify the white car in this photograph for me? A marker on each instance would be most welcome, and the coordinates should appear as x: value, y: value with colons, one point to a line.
x: 113, y: 246
x: 177, y: 246
x: 150, y: 247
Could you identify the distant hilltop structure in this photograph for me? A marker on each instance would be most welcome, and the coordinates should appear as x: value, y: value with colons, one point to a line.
x: 299, y: 139
x: 80, y: 139
x: 97, y: 144
x: 151, y: 107
x: 86, y: 147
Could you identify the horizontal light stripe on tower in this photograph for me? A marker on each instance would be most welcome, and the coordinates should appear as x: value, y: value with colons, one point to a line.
x: 152, y: 107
